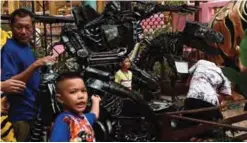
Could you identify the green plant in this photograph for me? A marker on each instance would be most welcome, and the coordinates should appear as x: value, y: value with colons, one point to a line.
x: 238, y: 78
x: 173, y: 2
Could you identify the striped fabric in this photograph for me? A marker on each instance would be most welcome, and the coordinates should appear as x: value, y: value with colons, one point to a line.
x: 7, y: 131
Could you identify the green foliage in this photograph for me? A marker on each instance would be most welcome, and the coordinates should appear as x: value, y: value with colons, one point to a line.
x: 159, y: 31
x: 5, y: 27
x: 174, y: 2
x: 157, y: 66
x: 237, y: 78
x: 168, y: 70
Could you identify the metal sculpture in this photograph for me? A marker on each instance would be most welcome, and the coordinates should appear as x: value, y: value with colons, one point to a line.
x: 117, y: 100
x: 168, y: 48
x: 117, y: 25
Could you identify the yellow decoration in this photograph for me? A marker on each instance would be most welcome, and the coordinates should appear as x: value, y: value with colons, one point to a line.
x: 5, y: 35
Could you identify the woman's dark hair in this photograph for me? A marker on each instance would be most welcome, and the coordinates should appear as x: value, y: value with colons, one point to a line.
x: 21, y: 13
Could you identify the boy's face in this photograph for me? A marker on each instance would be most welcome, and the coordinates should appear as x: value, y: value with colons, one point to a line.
x: 126, y: 63
x: 73, y: 94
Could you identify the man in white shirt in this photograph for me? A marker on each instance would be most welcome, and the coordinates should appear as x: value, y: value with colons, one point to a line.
x: 208, y: 84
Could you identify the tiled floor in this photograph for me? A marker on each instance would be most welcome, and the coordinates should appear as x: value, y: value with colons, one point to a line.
x: 231, y: 113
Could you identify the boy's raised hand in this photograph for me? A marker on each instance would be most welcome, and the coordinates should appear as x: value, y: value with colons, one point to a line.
x: 95, y: 98
x: 95, y: 105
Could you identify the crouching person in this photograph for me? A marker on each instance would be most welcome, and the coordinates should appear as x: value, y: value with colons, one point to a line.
x: 208, y: 86
x: 73, y: 123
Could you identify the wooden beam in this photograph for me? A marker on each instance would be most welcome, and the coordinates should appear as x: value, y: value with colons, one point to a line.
x: 13, y: 5
x: 235, y: 119
x: 169, y: 134
x: 193, y: 111
x: 100, y: 6
x: 52, y: 8
x: 215, y: 124
x: 208, y: 109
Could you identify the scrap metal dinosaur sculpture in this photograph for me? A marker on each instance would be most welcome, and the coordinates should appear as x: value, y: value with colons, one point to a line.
x: 117, y: 122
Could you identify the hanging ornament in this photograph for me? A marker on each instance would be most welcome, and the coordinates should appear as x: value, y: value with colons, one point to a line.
x: 161, y: 15
x: 148, y: 27
x: 156, y: 23
x: 162, y: 23
x: 151, y: 23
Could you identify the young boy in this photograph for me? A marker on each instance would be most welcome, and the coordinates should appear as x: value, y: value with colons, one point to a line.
x: 72, y: 93
x: 124, y: 76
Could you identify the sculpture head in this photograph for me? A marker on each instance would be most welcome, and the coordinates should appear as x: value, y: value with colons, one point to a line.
x: 201, y: 37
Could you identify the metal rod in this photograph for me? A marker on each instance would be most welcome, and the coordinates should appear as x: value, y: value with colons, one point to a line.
x: 47, y: 19
x: 193, y: 111
x: 197, y: 17
x: 45, y: 34
x: 33, y: 7
x: 34, y: 27
x: 201, y: 109
x: 208, y: 122
x: 51, y: 32
x: 235, y: 119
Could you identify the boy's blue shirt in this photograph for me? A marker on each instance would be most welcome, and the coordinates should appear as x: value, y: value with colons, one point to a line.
x: 16, y: 58
x: 60, y: 131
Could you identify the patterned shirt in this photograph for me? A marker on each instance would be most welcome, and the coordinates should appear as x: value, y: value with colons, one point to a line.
x: 207, y: 81
x: 68, y: 126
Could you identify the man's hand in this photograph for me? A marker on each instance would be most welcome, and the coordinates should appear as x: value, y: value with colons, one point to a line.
x: 12, y: 86
x: 42, y: 61
x: 223, y: 105
x: 237, y: 98
x: 4, y: 105
x: 95, y: 98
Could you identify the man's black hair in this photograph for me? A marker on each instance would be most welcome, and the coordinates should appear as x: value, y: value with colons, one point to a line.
x: 67, y: 75
x: 21, y: 13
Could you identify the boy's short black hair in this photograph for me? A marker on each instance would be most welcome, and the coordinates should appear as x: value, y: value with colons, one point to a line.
x: 21, y: 12
x: 67, y: 75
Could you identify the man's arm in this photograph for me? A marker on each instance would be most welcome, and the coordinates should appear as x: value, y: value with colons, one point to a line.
x: 234, y: 97
x: 11, y: 85
x: 223, y: 97
x: 27, y: 73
